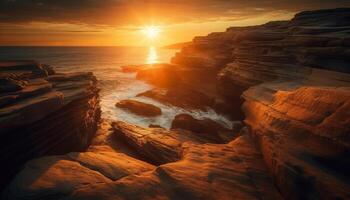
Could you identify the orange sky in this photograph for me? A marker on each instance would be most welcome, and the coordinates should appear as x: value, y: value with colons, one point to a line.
x: 118, y: 22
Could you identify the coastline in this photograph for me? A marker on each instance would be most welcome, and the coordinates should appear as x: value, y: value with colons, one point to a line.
x: 284, y: 84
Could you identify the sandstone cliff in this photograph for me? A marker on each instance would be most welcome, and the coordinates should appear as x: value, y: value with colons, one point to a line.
x: 43, y: 112
x: 289, y: 82
x: 293, y: 82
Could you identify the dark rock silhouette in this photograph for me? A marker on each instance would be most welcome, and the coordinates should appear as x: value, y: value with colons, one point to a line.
x: 139, y: 108
x: 207, y: 128
x: 43, y: 114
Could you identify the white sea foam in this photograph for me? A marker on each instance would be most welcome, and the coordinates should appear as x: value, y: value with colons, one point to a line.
x: 115, y: 85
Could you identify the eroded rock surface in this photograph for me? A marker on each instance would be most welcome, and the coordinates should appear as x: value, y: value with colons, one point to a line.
x: 207, y: 128
x: 304, y: 137
x: 291, y: 80
x: 180, y: 97
x: 192, y: 169
x: 59, y: 176
x: 42, y: 113
x: 139, y: 108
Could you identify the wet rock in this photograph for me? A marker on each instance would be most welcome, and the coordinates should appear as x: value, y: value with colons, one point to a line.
x: 180, y: 97
x: 162, y: 75
x: 205, y: 127
x: 10, y: 85
x: 154, y: 126
x: 29, y: 68
x: 139, y: 108
x: 49, y: 69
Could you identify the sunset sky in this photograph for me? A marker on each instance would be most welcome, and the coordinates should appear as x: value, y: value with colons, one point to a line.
x: 120, y: 22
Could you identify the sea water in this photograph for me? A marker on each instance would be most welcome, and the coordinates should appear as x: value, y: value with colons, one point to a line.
x: 105, y: 63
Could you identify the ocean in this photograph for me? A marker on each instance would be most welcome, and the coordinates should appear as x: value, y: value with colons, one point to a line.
x: 115, y: 85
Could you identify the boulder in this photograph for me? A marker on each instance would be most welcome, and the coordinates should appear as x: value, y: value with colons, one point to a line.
x: 139, y: 108
x: 205, y: 127
x: 184, y: 98
x: 162, y: 75
x: 156, y: 146
x: 154, y: 126
x: 10, y: 85
x: 204, y: 171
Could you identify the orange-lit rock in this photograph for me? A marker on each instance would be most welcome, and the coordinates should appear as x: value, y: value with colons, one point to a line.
x: 290, y: 78
x: 180, y: 97
x: 206, y: 128
x: 197, y: 170
x: 208, y: 171
x: 163, y: 75
x: 61, y: 175
x: 48, y: 114
x: 304, y: 137
x: 139, y: 108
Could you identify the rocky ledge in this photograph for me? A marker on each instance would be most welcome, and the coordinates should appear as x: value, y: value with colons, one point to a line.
x: 139, y: 108
x: 43, y: 112
x: 288, y: 80
x: 176, y: 165
x: 290, y: 83
x: 291, y: 80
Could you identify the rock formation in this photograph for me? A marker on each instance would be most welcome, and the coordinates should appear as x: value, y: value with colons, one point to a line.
x: 292, y: 80
x: 189, y: 167
x: 205, y: 127
x: 180, y: 97
x: 139, y: 108
x: 288, y: 80
x: 43, y: 112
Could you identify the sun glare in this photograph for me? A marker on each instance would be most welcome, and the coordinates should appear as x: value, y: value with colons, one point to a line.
x: 151, y: 32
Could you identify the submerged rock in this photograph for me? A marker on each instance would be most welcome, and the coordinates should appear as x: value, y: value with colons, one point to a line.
x: 139, y: 108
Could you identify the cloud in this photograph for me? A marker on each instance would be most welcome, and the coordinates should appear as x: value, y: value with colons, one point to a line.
x: 138, y: 12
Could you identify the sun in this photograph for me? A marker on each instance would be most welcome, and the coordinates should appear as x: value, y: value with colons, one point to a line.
x: 151, y: 32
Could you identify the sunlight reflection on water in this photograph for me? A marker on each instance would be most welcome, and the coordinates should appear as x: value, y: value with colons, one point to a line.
x: 152, y: 56
x: 115, y: 85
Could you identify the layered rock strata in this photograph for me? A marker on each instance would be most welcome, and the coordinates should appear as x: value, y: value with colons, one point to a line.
x: 43, y: 112
x: 190, y: 168
x: 293, y: 83
x: 291, y: 80
x: 139, y: 108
